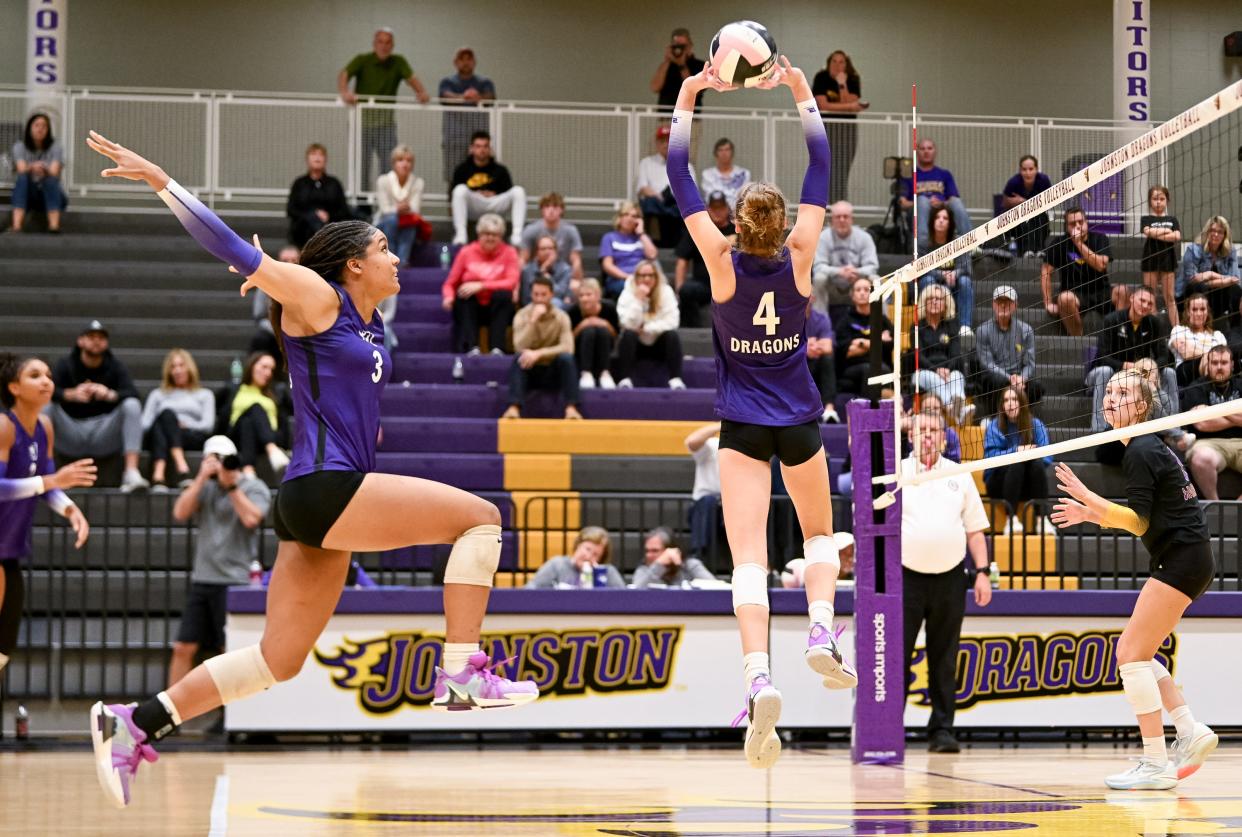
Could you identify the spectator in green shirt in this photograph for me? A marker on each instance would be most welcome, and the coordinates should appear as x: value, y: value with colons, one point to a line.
x: 378, y: 73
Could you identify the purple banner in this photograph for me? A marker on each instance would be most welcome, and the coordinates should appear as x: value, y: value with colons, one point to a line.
x: 879, y: 704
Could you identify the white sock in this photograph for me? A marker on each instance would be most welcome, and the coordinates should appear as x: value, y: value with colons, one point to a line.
x: 821, y: 612
x: 456, y: 655
x: 1154, y: 750
x: 756, y: 663
x: 163, y: 698
x: 1183, y: 720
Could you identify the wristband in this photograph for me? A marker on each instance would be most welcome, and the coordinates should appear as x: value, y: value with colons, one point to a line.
x: 21, y: 489
x: 58, y: 501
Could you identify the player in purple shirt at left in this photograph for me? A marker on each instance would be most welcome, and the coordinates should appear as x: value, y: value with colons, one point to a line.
x: 332, y: 501
x: 765, y: 396
x: 26, y: 473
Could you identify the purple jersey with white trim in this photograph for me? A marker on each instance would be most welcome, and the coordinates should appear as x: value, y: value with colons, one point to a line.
x: 29, y: 457
x: 337, y: 377
x: 760, y: 340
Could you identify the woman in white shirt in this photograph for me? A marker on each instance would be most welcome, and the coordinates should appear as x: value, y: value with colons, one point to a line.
x: 725, y: 177
x: 1191, y: 340
x: 179, y: 415
x: 647, y: 309
x: 399, y: 195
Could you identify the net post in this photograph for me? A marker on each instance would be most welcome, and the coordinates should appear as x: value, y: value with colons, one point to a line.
x: 879, y: 706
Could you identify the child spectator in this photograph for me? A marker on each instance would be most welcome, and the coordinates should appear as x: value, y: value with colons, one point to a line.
x: 1161, y: 235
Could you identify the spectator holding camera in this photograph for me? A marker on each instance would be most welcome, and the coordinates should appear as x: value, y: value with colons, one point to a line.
x: 228, y: 506
x: 679, y: 64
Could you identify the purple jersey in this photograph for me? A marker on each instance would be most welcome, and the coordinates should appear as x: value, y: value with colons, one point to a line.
x: 760, y: 340
x: 29, y: 457
x: 337, y: 377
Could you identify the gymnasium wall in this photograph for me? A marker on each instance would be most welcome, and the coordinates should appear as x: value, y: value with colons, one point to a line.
x: 968, y: 56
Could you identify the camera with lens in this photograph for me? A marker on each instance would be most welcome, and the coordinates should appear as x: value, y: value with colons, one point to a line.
x: 231, y: 462
x: 678, y: 48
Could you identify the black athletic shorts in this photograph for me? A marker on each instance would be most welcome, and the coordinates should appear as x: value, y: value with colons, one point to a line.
x: 794, y: 445
x: 202, y: 621
x: 1188, y: 567
x: 308, y: 506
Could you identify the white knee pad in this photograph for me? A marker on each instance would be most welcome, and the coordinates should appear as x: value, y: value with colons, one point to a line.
x: 1158, y: 669
x: 240, y: 674
x: 475, y: 556
x: 750, y: 586
x: 1139, y: 682
x: 821, y: 549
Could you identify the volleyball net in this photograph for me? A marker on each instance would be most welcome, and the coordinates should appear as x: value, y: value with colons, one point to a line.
x: 1051, y: 292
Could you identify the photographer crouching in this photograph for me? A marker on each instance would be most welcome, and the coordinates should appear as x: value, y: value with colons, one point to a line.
x: 228, y: 507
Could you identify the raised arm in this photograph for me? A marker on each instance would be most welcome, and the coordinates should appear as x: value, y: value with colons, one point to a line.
x: 309, y: 301
x: 811, y: 205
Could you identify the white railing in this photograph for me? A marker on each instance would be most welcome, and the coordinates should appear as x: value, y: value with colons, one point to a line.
x: 234, y: 148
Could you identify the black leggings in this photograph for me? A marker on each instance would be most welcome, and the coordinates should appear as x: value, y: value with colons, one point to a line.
x: 166, y: 434
x: 666, y: 348
x: 1018, y: 483
x: 253, y: 433
x: 11, y: 606
x: 824, y: 371
x: 593, y: 348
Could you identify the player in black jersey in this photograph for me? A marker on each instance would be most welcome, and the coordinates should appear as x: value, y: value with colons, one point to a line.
x: 1164, y: 512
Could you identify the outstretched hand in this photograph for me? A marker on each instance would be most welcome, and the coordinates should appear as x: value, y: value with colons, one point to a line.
x: 1068, y: 482
x: 1069, y: 513
x: 708, y: 79
x: 129, y: 164
x: 783, y: 73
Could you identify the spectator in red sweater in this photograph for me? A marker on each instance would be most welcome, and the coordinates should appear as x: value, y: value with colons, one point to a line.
x: 481, y: 286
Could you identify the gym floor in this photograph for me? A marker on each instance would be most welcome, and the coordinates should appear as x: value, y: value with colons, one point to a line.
x: 638, y: 791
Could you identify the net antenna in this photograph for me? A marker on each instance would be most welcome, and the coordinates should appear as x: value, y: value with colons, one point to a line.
x: 897, y: 296
x: 1194, y: 156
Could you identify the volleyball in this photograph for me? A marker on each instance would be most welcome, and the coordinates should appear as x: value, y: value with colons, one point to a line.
x: 743, y: 53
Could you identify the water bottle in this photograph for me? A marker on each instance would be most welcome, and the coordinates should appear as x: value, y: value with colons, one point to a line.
x: 256, y: 574
x: 446, y: 257
x: 21, y: 724
x: 994, y: 575
x: 235, y: 371
x: 586, y: 576
x: 459, y: 371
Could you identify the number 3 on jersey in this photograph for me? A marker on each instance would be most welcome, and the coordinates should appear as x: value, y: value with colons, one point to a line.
x: 765, y: 314
x: 379, y: 366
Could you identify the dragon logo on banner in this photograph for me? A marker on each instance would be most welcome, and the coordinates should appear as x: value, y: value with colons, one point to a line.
x: 1007, y: 667
x: 398, y: 669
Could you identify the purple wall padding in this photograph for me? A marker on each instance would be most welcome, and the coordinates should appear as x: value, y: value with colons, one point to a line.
x: 879, y: 706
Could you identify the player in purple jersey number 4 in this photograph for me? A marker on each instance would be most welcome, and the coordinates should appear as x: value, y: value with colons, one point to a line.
x: 766, y: 397
x: 332, y: 501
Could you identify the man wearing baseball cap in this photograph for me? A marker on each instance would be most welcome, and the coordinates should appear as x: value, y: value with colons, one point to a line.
x: 1006, y: 349
x: 469, y: 92
x: 690, y: 279
x: 227, y: 507
x: 95, y: 409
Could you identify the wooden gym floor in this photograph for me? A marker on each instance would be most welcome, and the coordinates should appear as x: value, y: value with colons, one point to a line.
x: 643, y: 792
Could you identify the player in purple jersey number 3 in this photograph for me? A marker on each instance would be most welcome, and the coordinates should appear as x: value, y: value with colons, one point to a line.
x: 332, y: 502
x: 26, y: 475
x: 766, y: 397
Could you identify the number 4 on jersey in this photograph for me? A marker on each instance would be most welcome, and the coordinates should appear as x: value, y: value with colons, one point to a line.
x: 765, y: 314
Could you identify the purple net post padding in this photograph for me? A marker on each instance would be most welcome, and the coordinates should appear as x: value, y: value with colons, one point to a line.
x: 879, y: 703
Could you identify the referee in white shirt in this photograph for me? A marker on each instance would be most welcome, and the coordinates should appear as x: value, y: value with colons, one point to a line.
x: 940, y: 521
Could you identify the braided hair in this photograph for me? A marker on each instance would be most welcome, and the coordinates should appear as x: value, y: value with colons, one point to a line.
x: 326, y: 253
